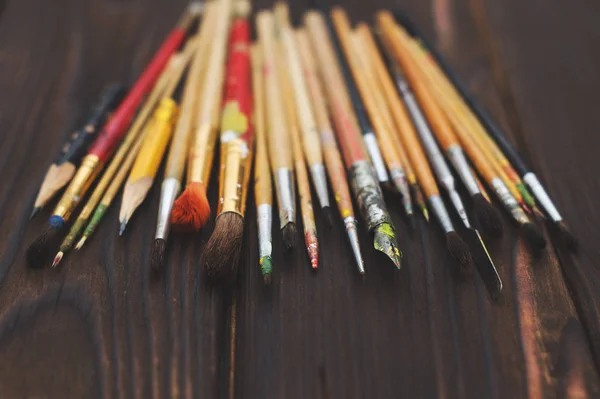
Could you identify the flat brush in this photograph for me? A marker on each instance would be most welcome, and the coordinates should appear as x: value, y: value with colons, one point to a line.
x: 74, y: 149
x: 221, y: 255
x: 263, y: 190
x: 373, y: 108
x: 308, y: 218
x: 279, y: 140
x: 174, y: 168
x: 191, y: 210
x: 356, y: 103
x: 106, y: 142
x: 363, y: 181
x: 129, y: 146
x: 308, y: 125
x: 332, y: 156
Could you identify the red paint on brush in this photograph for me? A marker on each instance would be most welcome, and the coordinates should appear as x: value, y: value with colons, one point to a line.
x: 312, y: 246
x: 113, y: 132
x: 349, y: 137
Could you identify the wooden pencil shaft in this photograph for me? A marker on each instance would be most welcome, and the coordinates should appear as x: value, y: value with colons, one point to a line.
x: 279, y: 142
x: 263, y: 188
x: 346, y: 126
x: 202, y: 151
x: 333, y: 159
x: 177, y: 156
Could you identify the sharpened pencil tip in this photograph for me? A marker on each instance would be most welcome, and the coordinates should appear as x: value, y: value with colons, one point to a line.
x: 57, y: 259
x: 122, y: 227
x: 385, y: 241
x: 34, y: 212
x: 80, y: 243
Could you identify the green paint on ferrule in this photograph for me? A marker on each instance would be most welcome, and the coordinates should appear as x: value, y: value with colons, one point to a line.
x: 527, y: 197
x: 266, y: 265
x: 69, y: 240
x: 387, y: 229
x: 96, y: 218
x: 385, y: 241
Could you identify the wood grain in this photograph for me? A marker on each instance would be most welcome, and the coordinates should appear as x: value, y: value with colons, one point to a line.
x: 101, y: 326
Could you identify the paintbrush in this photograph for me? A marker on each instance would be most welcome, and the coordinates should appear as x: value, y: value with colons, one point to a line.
x: 104, y: 145
x: 363, y: 181
x: 304, y: 110
x: 292, y: 118
x: 175, y: 166
x: 279, y: 141
x: 332, y: 156
x: 192, y: 210
x: 263, y: 190
x: 221, y: 255
x: 75, y: 147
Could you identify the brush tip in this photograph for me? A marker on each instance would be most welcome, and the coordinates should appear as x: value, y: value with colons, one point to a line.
x: 385, y: 241
x: 533, y: 236
x: 488, y: 216
x: 266, y: 268
x: 122, y: 227
x: 459, y: 251
x: 34, y: 212
x: 267, y: 279
x: 57, y: 259
x: 289, y: 236
x: 221, y: 255
x: 157, y: 254
x: 40, y: 250
x: 328, y: 213
x: 191, y: 210
x: 81, y: 243
x: 566, y: 236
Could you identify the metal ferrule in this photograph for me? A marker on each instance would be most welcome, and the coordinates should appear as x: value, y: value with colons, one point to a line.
x: 440, y: 212
x: 352, y: 231
x: 81, y: 181
x: 319, y: 176
x: 201, y: 155
x: 509, y: 202
x: 459, y: 206
x: 401, y: 183
x: 375, y: 154
x: 264, y: 215
x: 168, y: 194
x: 368, y: 194
x: 233, y: 179
x: 542, y: 196
x: 461, y: 165
x: 286, y: 196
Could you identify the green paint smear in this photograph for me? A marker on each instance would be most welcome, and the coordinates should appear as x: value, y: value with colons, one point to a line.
x: 385, y: 241
x: 98, y: 215
x: 266, y: 265
x: 527, y: 197
x: 387, y: 229
x: 73, y: 234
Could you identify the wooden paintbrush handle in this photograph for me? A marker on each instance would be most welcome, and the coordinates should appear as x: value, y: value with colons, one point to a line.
x: 263, y: 188
x: 280, y: 147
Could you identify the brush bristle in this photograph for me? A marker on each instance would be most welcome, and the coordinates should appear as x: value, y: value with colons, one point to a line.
x: 191, y: 210
x: 459, y: 251
x: 532, y: 235
x: 221, y: 255
x: 328, y: 213
x: 488, y: 216
x: 289, y: 236
x: 567, y: 238
x: 42, y: 250
x: 157, y: 254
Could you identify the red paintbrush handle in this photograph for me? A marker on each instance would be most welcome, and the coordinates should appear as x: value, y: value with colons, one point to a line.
x: 237, y: 82
x: 115, y: 129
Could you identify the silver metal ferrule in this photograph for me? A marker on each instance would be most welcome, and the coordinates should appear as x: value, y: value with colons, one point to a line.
x: 368, y: 194
x: 286, y: 196
x: 319, y: 176
x: 441, y: 214
x: 350, y: 224
x: 264, y: 214
x: 542, y: 196
x: 376, y: 159
x: 168, y: 194
x: 509, y: 202
x: 460, y: 207
x: 461, y: 165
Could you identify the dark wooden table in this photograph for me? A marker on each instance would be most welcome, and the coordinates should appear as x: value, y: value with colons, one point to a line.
x: 101, y: 327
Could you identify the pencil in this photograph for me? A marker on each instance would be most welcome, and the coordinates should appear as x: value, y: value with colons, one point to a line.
x: 331, y: 154
x: 63, y: 168
x: 221, y: 255
x: 279, y: 140
x: 304, y: 110
x: 106, y: 142
x: 263, y: 190
x: 363, y: 181
x: 292, y: 118
x: 192, y: 210
x: 175, y: 165
x: 356, y: 103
